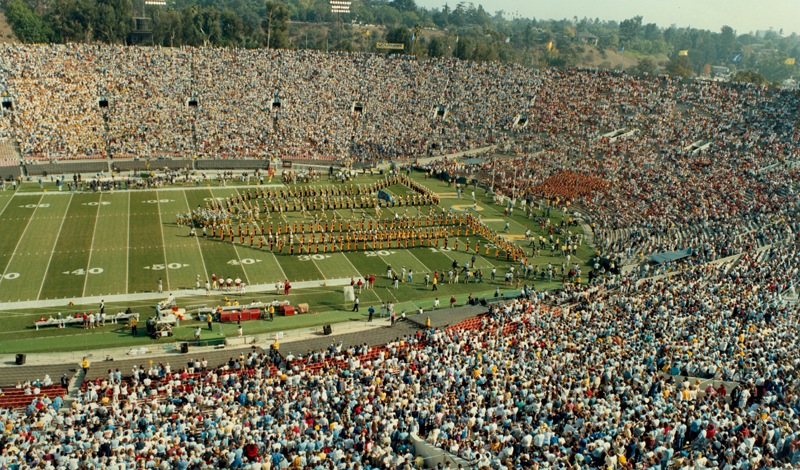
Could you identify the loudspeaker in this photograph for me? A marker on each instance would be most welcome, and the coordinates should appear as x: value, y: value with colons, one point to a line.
x: 327, y: 329
x: 20, y: 359
x: 184, y: 348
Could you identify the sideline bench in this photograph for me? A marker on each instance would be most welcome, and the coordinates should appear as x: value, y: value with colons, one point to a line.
x: 79, y: 320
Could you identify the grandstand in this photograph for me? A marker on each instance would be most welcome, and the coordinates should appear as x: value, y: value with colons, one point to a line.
x: 676, y: 347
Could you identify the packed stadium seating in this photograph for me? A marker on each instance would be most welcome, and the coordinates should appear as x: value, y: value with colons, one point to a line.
x: 685, y: 357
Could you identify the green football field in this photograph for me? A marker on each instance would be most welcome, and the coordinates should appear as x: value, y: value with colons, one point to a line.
x: 58, y: 245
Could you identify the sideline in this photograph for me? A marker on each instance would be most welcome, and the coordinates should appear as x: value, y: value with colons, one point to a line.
x: 251, y: 289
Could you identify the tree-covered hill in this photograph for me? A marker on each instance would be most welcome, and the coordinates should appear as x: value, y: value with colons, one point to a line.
x: 464, y: 30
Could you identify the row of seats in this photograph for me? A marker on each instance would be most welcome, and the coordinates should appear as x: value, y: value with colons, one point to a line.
x: 65, y: 168
x: 16, y: 398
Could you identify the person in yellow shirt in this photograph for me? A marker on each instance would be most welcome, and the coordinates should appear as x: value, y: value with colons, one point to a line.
x: 85, y: 365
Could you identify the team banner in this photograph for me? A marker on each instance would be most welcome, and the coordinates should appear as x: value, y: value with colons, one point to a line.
x: 389, y: 45
x: 385, y: 196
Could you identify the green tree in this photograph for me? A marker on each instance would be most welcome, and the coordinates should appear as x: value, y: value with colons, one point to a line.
x: 417, y: 36
x: 387, y: 15
x: 399, y: 35
x: 206, y: 22
x: 463, y: 49
x: 409, y: 19
x: 167, y: 27
x: 114, y: 20
x: 345, y: 45
x: 276, y: 23
x: 726, y: 43
x: 646, y: 65
x: 436, y: 47
x: 190, y: 35
x: 74, y: 20
x: 403, y: 5
x: 232, y: 27
x: 27, y: 25
x: 630, y: 28
x: 749, y: 76
x: 680, y: 67
x: 652, y: 32
x: 484, y: 51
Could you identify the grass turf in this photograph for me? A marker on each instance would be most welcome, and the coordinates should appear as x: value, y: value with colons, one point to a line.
x: 123, y: 242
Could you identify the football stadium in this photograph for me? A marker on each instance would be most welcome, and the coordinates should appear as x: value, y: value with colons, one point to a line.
x: 255, y: 259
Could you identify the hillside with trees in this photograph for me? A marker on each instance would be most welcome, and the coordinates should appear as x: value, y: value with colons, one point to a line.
x: 465, y: 30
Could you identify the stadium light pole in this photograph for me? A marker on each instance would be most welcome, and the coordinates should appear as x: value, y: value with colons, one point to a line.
x: 339, y: 7
x: 494, y: 159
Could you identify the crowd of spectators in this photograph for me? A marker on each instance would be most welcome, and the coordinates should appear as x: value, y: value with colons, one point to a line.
x: 690, y: 364
x: 221, y: 102
x: 617, y: 375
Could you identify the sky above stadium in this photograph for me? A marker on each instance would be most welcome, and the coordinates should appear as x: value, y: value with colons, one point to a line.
x: 742, y: 15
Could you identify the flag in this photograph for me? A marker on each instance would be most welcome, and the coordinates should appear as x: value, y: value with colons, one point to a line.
x: 621, y: 49
x: 508, y: 40
x: 413, y: 35
x: 789, y: 61
x: 549, y: 45
x: 737, y: 58
x: 684, y: 52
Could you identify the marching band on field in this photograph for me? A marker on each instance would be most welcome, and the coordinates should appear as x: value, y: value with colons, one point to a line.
x: 238, y: 219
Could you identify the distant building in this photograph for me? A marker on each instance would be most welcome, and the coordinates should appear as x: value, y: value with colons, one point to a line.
x: 718, y: 70
x: 587, y: 38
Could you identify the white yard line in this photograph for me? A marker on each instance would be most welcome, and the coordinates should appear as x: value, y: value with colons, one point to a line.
x: 128, y: 246
x: 418, y: 260
x: 311, y: 259
x: 187, y: 188
x: 351, y: 264
x: 10, y: 198
x: 309, y: 256
x: 163, y: 242
x: 197, y: 239
x: 5, y: 271
x: 408, y: 250
x: 91, y: 249
x: 376, y: 250
x: 247, y: 278
x: 53, y: 251
x: 279, y: 264
x: 315, y: 264
x: 244, y: 270
x: 375, y: 294
x: 478, y: 255
x: 392, y: 293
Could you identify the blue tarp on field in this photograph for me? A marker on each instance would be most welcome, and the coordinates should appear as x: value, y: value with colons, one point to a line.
x: 385, y: 196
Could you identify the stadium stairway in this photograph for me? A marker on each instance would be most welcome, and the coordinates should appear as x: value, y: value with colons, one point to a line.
x: 73, y: 389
